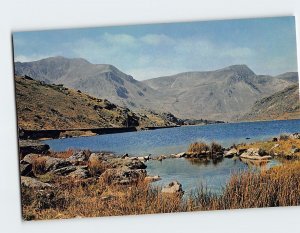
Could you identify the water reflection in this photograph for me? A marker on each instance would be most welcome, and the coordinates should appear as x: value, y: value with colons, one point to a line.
x: 192, y: 173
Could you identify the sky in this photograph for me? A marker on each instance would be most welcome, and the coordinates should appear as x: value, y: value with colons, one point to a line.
x: 266, y: 45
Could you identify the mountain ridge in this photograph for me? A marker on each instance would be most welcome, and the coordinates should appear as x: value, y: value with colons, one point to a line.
x: 281, y: 105
x: 223, y: 94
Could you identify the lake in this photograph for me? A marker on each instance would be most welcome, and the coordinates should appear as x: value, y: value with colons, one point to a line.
x: 175, y: 140
x: 190, y: 174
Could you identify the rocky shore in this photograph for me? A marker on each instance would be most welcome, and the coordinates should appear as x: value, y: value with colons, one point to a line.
x: 48, y: 178
x: 124, y: 169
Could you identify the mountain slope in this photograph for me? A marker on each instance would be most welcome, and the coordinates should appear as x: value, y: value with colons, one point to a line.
x: 284, y: 104
x: 48, y: 106
x: 289, y: 76
x: 99, y: 80
x: 224, y: 94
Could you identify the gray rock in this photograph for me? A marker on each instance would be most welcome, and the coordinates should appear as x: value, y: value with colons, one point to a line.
x: 295, y: 136
x: 122, y: 176
x: 64, y: 170
x: 232, y: 152
x: 254, y: 153
x: 33, y: 183
x: 180, y: 155
x: 26, y: 169
x: 125, y: 156
x: 79, y: 156
x: 29, y: 146
x: 173, y: 188
x: 241, y: 151
x: 129, y: 163
x: 81, y: 172
x: 55, y: 163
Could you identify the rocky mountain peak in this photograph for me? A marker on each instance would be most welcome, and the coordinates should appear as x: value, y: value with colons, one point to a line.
x: 240, y: 70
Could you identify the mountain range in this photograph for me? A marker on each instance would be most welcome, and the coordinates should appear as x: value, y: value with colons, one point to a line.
x: 225, y: 94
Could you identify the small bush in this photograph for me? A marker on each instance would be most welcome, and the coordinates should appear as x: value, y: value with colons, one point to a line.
x: 198, y: 147
x: 38, y: 165
x: 284, y: 137
x: 262, y: 152
x: 216, y: 148
x: 63, y: 155
x: 97, y: 167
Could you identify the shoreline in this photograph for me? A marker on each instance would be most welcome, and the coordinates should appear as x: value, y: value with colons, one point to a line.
x: 56, y: 133
x: 48, y: 134
x: 114, y: 180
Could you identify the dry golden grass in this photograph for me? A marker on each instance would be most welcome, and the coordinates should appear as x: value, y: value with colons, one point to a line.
x: 198, y: 147
x: 215, y: 147
x: 285, y: 145
x: 97, y: 167
x: 79, y: 199
x: 38, y: 165
x: 63, y: 155
x: 279, y: 186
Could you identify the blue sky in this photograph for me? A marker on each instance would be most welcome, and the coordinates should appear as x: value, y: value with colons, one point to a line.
x: 266, y: 45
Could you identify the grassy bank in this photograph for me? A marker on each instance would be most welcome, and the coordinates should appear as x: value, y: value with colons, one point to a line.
x: 279, y: 186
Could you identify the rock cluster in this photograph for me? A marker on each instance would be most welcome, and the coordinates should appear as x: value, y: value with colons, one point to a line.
x: 80, y: 165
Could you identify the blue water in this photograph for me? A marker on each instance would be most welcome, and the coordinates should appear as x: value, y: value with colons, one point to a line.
x: 191, y: 174
x: 175, y: 140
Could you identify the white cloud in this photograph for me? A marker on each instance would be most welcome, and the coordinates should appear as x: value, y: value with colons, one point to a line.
x: 35, y: 57
x: 156, y: 39
x: 152, y: 55
x: 119, y: 39
x: 156, y: 54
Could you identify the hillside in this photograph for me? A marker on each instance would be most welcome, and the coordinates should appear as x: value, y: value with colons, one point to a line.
x: 99, y: 80
x: 281, y: 105
x: 49, y: 106
x: 289, y: 76
x: 225, y: 94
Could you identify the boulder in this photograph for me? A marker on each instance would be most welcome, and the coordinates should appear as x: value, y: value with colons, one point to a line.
x: 152, y: 178
x: 124, y: 156
x: 30, y: 158
x: 131, y: 163
x: 50, y: 164
x: 79, y: 156
x: 33, y: 183
x: 81, y: 172
x: 173, y: 188
x: 26, y: 169
x: 255, y: 154
x: 55, y: 163
x: 295, y: 136
x: 180, y: 155
x: 241, y: 151
x: 96, y: 157
x: 122, y: 176
x: 64, y: 170
x: 232, y: 152
x: 35, y: 147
